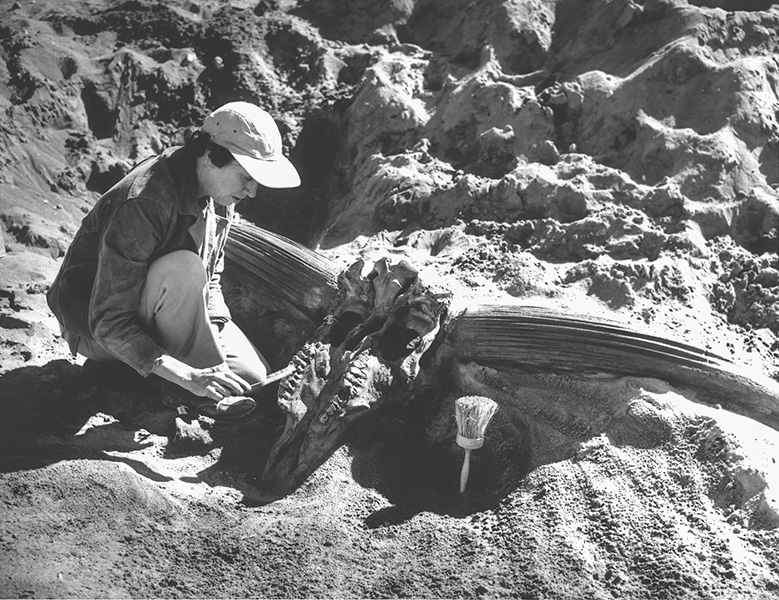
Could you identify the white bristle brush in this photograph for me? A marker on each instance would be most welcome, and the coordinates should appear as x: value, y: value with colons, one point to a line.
x: 473, y: 414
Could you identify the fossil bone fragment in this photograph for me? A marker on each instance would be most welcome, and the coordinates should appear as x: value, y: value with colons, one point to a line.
x: 387, y: 334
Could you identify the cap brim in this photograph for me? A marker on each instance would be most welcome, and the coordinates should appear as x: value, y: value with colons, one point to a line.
x: 279, y: 173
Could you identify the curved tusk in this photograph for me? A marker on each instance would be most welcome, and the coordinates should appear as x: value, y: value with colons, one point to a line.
x: 534, y: 338
x: 295, y: 274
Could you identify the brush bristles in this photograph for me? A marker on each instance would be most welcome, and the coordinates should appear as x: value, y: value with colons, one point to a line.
x: 473, y: 414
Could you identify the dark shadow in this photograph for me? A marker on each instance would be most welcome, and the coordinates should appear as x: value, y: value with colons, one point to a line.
x: 101, y: 118
x: 45, y: 407
x: 49, y: 453
x: 300, y: 213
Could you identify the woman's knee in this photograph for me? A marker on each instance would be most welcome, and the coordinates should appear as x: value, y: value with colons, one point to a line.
x: 242, y: 356
x: 179, y: 270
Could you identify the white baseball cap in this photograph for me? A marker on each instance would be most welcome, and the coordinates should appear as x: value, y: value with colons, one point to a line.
x: 252, y: 137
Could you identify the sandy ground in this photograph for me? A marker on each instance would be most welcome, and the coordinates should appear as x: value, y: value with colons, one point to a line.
x: 589, y: 486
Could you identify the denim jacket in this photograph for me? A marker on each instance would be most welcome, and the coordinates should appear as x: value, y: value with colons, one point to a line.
x: 152, y: 211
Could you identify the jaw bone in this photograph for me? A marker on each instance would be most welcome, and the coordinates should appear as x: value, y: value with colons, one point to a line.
x: 364, y: 356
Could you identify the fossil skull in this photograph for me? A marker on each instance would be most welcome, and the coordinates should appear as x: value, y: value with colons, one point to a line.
x: 362, y: 357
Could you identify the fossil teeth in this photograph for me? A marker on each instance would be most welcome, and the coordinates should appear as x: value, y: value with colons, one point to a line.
x: 301, y: 363
x: 354, y: 379
x: 332, y: 409
x: 349, y: 388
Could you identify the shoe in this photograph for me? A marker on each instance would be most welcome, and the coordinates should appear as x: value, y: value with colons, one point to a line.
x: 231, y: 408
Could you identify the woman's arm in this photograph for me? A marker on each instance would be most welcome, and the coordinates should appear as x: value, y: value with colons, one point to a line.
x: 213, y: 382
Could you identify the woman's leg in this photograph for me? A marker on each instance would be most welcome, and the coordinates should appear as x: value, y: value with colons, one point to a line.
x: 173, y: 309
x: 173, y: 306
x: 242, y: 356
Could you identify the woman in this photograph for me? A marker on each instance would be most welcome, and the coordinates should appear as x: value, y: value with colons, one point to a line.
x: 140, y: 282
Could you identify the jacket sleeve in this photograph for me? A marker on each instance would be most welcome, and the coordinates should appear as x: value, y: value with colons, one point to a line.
x: 131, y: 236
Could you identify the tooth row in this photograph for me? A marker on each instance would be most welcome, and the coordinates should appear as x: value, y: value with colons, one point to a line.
x: 300, y: 362
x: 355, y: 377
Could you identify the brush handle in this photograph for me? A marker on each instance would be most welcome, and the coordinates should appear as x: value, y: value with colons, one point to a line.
x: 466, y: 470
x: 273, y: 377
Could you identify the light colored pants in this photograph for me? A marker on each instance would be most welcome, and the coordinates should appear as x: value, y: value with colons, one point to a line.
x: 173, y: 311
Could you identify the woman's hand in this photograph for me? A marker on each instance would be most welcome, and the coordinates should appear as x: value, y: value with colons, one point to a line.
x: 215, y: 383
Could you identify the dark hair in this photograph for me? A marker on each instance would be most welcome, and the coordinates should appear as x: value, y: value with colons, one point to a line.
x: 199, y: 142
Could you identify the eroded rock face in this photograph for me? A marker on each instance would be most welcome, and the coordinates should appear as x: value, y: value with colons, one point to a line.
x: 366, y: 355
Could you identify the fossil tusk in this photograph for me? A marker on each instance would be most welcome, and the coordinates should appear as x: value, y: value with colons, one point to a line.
x: 525, y: 337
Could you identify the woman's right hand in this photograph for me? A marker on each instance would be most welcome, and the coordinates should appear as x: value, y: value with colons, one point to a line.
x: 215, y: 383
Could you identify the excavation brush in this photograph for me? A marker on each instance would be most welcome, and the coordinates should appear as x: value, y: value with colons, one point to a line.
x: 473, y: 414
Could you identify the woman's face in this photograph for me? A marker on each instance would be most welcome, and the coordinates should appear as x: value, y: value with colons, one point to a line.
x: 227, y: 185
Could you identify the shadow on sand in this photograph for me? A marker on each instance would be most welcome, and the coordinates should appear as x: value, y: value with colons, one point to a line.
x: 62, y: 412
x: 45, y: 410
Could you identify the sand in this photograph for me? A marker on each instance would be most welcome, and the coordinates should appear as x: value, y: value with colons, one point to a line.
x: 617, y: 159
